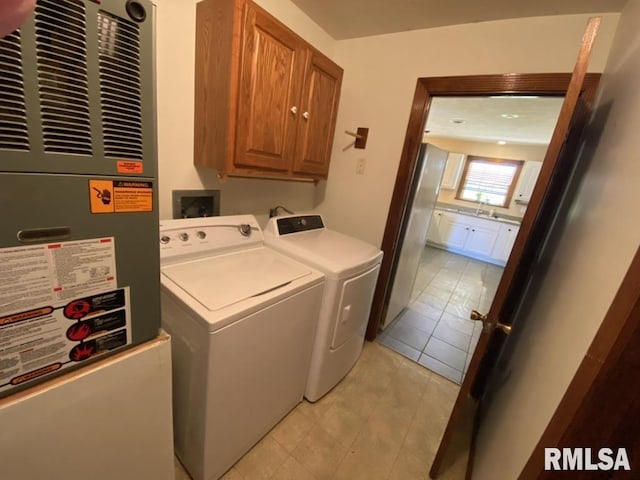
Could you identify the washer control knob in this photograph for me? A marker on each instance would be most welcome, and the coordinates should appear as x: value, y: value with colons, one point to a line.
x: 184, y: 236
x: 245, y: 229
x: 201, y: 235
x: 164, y: 239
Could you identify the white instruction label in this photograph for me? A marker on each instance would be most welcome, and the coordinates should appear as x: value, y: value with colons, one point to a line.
x: 45, y: 274
x: 42, y: 340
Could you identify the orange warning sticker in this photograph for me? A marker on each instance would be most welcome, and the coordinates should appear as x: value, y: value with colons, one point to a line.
x: 36, y: 373
x: 125, y: 166
x: 101, y: 194
x: 23, y: 316
x: 120, y: 196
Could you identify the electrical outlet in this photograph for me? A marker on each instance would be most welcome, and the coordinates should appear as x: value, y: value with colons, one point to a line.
x: 360, y: 165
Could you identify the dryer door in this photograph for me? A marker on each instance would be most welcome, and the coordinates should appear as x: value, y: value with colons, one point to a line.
x: 354, y: 306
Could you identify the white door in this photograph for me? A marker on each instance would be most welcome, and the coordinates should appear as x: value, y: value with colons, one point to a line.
x: 433, y: 232
x: 481, y: 241
x: 453, y: 233
x: 504, y: 244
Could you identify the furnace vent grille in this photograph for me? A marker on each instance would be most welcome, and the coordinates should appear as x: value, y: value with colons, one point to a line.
x: 62, y: 76
x: 13, y: 116
x: 120, y: 93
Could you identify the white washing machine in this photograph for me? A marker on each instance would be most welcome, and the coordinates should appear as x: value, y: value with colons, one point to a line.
x: 351, y: 267
x: 243, y: 319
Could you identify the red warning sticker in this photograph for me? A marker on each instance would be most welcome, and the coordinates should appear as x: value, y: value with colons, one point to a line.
x: 43, y: 340
x: 127, y: 166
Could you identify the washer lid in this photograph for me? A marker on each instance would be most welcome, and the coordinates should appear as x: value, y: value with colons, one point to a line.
x: 219, y: 281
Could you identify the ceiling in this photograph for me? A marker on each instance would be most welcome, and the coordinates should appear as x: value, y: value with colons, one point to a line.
x: 483, y: 120
x: 519, y: 120
x: 344, y: 19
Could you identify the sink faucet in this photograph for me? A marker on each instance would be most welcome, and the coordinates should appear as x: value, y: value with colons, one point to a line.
x: 479, y: 209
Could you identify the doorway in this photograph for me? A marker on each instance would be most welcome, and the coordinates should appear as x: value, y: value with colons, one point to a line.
x: 426, y: 89
x: 506, y: 137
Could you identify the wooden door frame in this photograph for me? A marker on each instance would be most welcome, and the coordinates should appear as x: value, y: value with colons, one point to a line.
x: 549, y: 84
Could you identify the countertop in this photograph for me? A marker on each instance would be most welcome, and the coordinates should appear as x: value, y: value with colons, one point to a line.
x: 471, y: 213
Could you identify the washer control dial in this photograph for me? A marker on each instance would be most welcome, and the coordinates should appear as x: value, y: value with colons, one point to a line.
x: 164, y: 239
x: 201, y: 235
x: 245, y: 229
x: 184, y: 236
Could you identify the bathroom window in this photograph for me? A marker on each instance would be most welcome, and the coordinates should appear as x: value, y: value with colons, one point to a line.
x: 489, y: 180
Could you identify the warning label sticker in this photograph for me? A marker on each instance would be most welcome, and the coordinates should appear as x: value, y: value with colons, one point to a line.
x: 38, y: 275
x: 120, y: 196
x: 126, y: 166
x: 42, y: 340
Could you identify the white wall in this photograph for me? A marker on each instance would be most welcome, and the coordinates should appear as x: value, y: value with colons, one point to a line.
x: 379, y: 81
x: 380, y: 75
x: 175, y: 41
x: 584, y: 273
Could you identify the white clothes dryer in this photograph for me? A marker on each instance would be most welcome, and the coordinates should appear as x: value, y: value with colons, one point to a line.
x: 242, y: 319
x: 351, y: 267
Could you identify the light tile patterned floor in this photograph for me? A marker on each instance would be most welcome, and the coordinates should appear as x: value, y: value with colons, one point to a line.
x: 383, y: 421
x: 435, y: 329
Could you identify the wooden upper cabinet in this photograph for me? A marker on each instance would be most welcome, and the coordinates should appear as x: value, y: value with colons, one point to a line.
x: 319, y: 105
x: 265, y: 100
x: 271, y: 77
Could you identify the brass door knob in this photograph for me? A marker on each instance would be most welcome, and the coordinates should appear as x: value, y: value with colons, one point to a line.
x: 504, y: 327
x: 476, y: 315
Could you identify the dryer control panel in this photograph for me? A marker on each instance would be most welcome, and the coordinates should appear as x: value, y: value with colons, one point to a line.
x: 299, y: 223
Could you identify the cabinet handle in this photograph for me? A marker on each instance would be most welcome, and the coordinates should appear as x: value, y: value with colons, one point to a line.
x: 294, y: 109
x: 473, y: 229
x: 305, y: 115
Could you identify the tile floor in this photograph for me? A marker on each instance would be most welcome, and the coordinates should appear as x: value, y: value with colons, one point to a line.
x: 435, y: 329
x: 383, y: 421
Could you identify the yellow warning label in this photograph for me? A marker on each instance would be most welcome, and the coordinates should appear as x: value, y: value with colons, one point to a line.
x: 120, y: 196
x: 132, y: 196
x: 101, y: 194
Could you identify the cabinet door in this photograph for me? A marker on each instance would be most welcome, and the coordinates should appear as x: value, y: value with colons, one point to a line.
x: 318, y: 111
x: 433, y: 232
x: 452, y: 232
x: 504, y: 243
x: 271, y: 77
x: 528, y: 180
x: 481, y: 240
x: 452, y: 171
